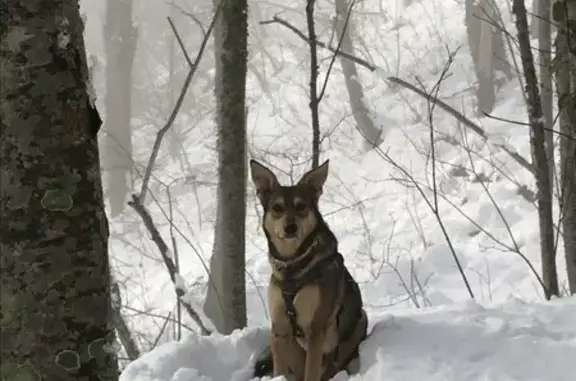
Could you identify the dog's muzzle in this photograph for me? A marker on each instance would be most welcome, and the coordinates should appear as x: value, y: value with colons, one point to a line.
x: 290, y: 230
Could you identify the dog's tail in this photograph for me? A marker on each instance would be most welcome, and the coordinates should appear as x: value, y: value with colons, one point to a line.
x: 264, y: 365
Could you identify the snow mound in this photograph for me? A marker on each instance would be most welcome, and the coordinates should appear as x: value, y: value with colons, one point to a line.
x: 464, y: 342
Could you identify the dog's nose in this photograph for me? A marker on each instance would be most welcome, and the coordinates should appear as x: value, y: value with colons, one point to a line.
x: 290, y: 230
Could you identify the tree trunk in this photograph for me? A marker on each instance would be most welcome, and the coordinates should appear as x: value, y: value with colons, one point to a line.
x: 534, y: 19
x: 544, y: 59
x: 480, y: 43
x: 538, y: 137
x: 226, y: 299
x: 564, y: 12
x: 55, y: 294
x: 487, y: 49
x: 370, y: 133
x: 120, y: 38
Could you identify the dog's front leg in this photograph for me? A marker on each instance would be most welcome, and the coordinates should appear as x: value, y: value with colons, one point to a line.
x: 311, y: 318
x: 314, y: 354
x: 280, y: 356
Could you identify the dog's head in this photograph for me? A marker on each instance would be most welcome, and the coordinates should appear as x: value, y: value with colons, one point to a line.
x: 290, y: 212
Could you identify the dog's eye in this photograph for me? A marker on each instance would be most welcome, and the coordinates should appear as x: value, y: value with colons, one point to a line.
x: 300, y: 206
x: 278, y: 208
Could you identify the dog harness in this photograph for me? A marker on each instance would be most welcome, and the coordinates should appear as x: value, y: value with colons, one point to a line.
x: 291, y: 286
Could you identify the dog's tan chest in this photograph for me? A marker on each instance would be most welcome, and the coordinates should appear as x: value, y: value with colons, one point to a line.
x: 306, y: 303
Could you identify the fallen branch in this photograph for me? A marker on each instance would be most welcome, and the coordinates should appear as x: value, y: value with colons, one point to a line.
x: 163, y: 248
x: 137, y: 202
x: 124, y: 334
x: 398, y: 81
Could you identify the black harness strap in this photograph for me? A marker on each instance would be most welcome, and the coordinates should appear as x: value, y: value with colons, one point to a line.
x: 290, y: 287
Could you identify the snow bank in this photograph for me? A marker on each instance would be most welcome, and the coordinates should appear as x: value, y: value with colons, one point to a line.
x: 464, y: 342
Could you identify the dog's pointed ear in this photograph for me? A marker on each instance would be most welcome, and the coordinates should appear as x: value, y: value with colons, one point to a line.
x: 315, y: 178
x: 264, y: 180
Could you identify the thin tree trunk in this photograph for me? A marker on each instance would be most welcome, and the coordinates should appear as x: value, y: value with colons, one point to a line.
x: 226, y: 299
x: 370, y: 133
x: 542, y: 171
x: 314, y: 96
x: 55, y: 294
x: 544, y: 62
x: 479, y: 32
x: 565, y: 14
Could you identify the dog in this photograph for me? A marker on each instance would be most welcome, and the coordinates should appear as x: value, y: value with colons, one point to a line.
x: 316, y: 309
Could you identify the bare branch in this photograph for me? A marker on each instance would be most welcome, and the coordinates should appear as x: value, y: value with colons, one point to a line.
x: 180, y: 100
x: 398, y: 81
x: 163, y: 248
x: 124, y: 333
x: 434, y: 206
x: 314, y: 100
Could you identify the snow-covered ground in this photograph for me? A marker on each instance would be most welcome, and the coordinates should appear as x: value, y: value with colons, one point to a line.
x: 514, y: 341
x: 425, y: 326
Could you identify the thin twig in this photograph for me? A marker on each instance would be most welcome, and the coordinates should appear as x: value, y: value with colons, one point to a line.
x: 176, y: 263
x: 163, y: 248
x: 435, y: 205
x: 179, y: 101
x: 398, y: 81
x: 338, y: 48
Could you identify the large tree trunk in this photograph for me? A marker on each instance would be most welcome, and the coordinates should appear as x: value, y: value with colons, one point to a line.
x: 371, y: 133
x: 565, y: 14
x: 226, y: 299
x: 120, y: 37
x: 55, y: 293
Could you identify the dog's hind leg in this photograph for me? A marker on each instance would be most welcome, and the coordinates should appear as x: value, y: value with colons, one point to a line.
x: 347, y: 349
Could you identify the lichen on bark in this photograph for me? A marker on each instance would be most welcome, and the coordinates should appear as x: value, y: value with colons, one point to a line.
x: 53, y: 232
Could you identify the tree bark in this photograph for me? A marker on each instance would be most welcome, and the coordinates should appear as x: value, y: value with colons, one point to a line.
x: 487, y: 49
x: 542, y: 170
x: 564, y: 12
x: 544, y: 62
x: 370, y: 133
x: 120, y: 37
x: 55, y: 292
x: 226, y: 299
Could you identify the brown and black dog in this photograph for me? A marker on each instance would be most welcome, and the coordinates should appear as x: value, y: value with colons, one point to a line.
x: 316, y: 310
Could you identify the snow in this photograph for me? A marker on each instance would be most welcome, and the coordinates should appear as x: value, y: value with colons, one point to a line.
x: 63, y: 38
x: 424, y: 325
x: 180, y: 283
x: 462, y: 342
